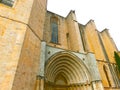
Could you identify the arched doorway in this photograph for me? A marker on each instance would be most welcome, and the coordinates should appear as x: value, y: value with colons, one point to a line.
x: 65, y: 71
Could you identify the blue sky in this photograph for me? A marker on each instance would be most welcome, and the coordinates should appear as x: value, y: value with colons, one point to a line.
x: 105, y: 13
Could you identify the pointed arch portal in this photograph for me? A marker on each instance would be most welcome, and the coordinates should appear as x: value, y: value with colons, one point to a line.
x: 65, y: 71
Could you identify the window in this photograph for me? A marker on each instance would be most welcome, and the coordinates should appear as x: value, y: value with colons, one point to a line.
x: 54, y: 30
x: 7, y: 2
x: 106, y: 73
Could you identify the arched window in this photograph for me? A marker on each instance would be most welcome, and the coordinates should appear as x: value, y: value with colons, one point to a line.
x: 54, y: 30
x: 106, y: 73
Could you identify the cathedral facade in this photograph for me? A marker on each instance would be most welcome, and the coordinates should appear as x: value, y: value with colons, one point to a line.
x: 41, y: 50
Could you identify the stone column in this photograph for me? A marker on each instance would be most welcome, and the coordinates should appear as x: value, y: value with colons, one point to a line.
x: 89, y: 87
x: 70, y: 88
x: 97, y: 85
x: 84, y: 88
x: 40, y: 77
x: 42, y: 58
x: 39, y: 83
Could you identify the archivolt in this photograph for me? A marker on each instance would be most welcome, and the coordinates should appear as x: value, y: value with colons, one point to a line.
x: 69, y: 65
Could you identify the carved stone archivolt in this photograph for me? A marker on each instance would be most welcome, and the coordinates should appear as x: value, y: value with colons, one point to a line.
x: 64, y: 70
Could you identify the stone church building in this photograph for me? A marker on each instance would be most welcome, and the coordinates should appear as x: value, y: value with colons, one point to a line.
x: 41, y: 50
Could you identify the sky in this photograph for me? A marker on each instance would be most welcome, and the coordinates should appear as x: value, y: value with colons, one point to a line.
x: 105, y: 13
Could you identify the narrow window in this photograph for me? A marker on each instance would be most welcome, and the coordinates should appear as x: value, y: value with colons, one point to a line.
x: 106, y: 73
x: 7, y: 2
x: 54, y: 30
x: 67, y: 36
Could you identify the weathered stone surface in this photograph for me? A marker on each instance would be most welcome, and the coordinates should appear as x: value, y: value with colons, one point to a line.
x: 83, y: 57
x: 21, y: 32
x: 28, y: 65
x: 74, y: 33
x: 109, y: 45
x: 11, y: 41
x: 19, y: 12
x: 37, y: 17
x: 93, y: 41
x: 62, y: 40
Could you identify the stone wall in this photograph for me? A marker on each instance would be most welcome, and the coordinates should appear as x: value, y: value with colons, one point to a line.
x: 21, y: 32
x: 62, y: 29
x: 109, y: 45
x: 74, y: 33
x: 106, y: 82
x: 68, y: 30
x: 93, y: 41
x: 102, y: 45
x: 11, y: 40
x: 19, y: 12
x: 37, y: 17
x: 28, y: 64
